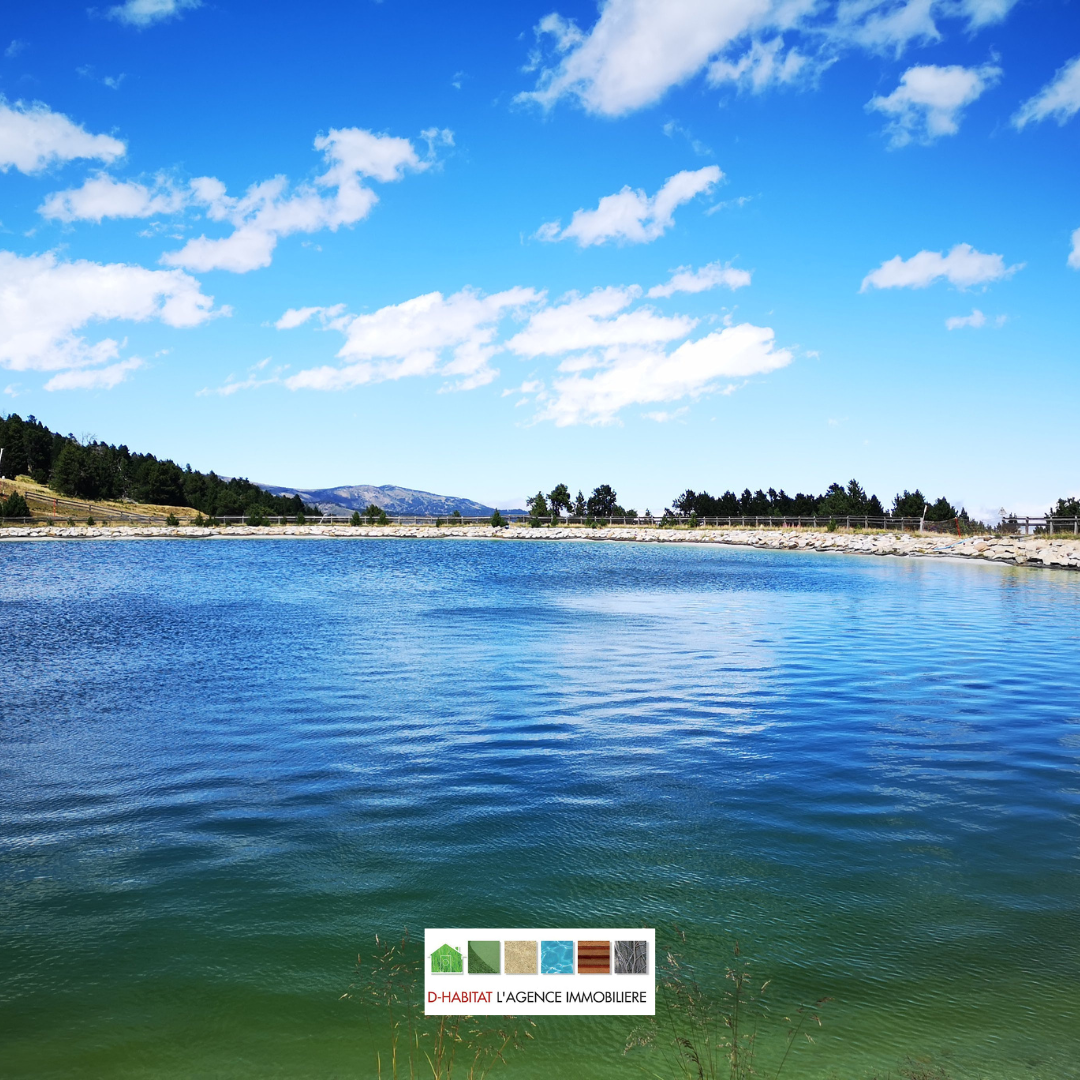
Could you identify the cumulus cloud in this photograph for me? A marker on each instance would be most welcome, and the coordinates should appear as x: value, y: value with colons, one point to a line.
x: 597, y: 320
x: 101, y: 196
x: 270, y: 210
x: 622, y: 377
x: 104, y: 378
x: 46, y: 303
x: 714, y: 274
x: 1074, y: 255
x: 962, y: 267
x: 975, y: 320
x: 143, y: 13
x: 930, y: 101
x: 33, y: 137
x: 610, y: 351
x: 449, y: 336
x: 637, y: 50
x: 632, y: 216
x: 1059, y: 98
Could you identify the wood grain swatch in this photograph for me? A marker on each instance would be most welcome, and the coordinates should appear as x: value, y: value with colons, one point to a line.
x: 594, y: 957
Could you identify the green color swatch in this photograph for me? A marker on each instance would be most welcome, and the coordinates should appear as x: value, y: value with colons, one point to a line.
x: 446, y: 958
x: 483, y: 958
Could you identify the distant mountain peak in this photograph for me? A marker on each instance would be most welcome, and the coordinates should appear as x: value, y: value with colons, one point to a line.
x: 396, y: 501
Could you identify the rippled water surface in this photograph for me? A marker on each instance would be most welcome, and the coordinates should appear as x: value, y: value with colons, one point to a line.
x: 226, y: 765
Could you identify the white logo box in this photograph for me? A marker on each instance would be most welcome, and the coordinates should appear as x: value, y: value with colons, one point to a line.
x: 450, y: 988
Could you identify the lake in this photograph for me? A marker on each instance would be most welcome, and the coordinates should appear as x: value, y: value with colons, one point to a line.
x: 227, y: 765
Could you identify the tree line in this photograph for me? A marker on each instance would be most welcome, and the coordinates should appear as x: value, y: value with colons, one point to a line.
x: 98, y: 470
x: 839, y: 500
x: 602, y: 503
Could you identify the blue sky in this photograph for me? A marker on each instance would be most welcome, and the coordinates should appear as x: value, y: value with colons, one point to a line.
x: 481, y: 249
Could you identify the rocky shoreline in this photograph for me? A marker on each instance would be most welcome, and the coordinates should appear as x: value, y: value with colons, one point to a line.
x: 1061, y: 552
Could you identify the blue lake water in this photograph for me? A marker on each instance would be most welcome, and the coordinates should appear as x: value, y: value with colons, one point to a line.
x: 227, y: 765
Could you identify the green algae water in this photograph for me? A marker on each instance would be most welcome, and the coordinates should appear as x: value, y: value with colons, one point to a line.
x: 227, y: 765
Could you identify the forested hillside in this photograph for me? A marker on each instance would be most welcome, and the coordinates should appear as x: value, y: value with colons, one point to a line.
x: 97, y: 470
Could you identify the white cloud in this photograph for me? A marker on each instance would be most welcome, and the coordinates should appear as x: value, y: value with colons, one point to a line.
x: 688, y: 280
x: 448, y: 336
x: 986, y: 12
x: 962, y: 267
x: 1059, y: 98
x: 596, y: 321
x: 268, y: 211
x: 94, y: 378
x: 957, y: 322
x: 642, y: 375
x: 32, y: 137
x: 880, y: 25
x: 143, y: 13
x: 45, y: 303
x: 101, y: 196
x: 763, y: 64
x: 930, y: 100
x: 632, y: 216
x: 663, y: 416
x: 609, y: 350
x: 637, y: 50
x: 671, y: 128
x: 253, y: 381
x: 295, y: 317
x: 1074, y: 255
x: 17, y: 45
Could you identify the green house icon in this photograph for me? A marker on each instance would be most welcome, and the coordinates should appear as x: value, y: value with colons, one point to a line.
x: 446, y: 958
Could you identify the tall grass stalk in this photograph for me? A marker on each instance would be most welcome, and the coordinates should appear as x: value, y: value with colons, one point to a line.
x: 389, y: 982
x: 700, y: 1034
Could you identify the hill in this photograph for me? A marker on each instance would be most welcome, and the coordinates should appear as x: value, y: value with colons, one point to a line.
x: 396, y: 501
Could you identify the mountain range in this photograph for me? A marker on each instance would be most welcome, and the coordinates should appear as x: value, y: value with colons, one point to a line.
x: 396, y: 501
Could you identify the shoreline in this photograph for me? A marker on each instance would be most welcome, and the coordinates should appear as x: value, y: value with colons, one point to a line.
x: 1055, y: 552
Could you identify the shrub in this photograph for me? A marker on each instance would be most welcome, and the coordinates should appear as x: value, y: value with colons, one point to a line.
x: 301, y: 519
x: 198, y: 521
x: 14, y: 506
x: 355, y: 519
x: 693, y: 519
x: 90, y: 521
x: 172, y: 519
x: 498, y: 521
x: 832, y: 525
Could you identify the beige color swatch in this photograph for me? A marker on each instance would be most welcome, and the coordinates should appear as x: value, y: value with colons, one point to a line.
x: 519, y: 957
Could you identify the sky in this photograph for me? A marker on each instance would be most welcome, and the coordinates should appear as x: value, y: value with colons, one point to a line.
x: 484, y: 248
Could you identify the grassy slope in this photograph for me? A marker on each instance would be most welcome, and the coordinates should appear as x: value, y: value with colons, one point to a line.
x: 40, y: 500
